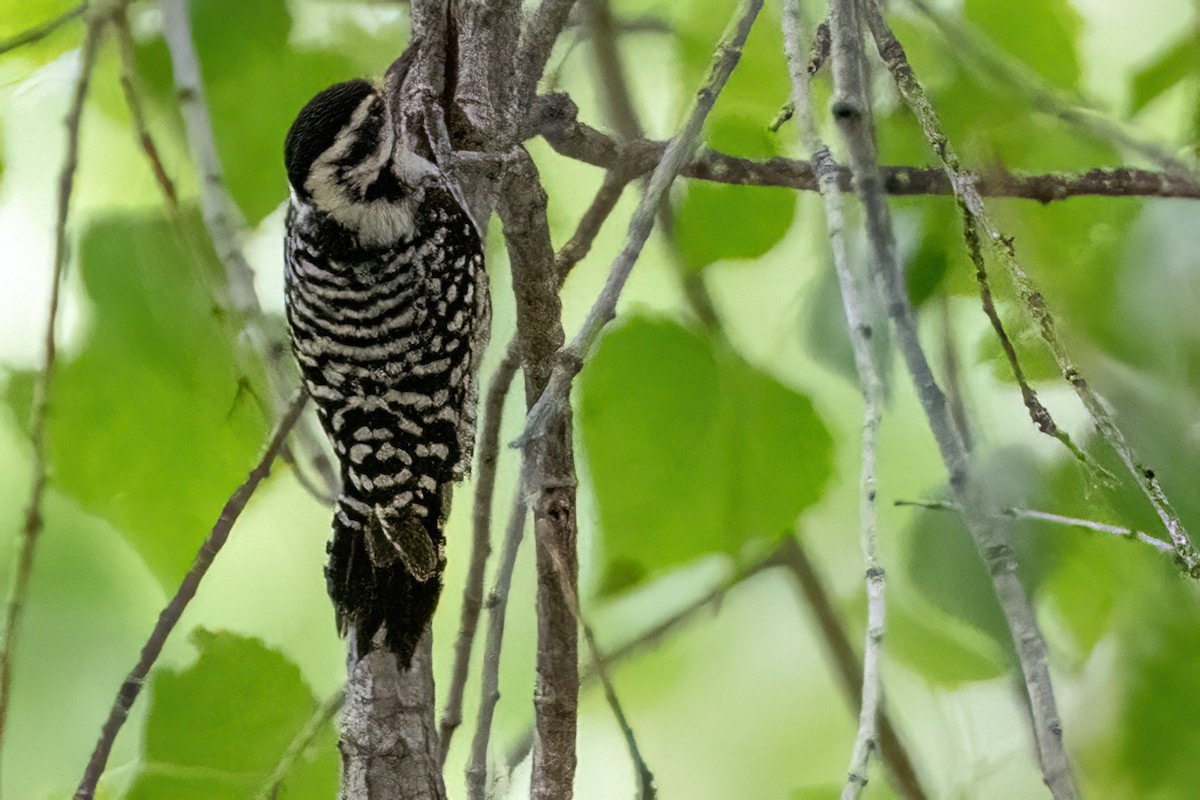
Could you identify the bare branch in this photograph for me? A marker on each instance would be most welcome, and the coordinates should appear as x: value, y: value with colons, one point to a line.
x: 610, y: 73
x: 852, y: 111
x: 1057, y: 519
x: 537, y: 42
x: 855, y: 306
x: 1035, y: 304
x: 32, y: 527
x: 497, y: 605
x: 485, y: 485
x: 549, y: 478
x: 169, y: 617
x: 580, y: 243
x: 676, y: 153
x: 388, y: 738
x: 39, y: 32
x: 646, y: 790
x: 556, y: 122
x: 489, y: 443
x: 131, y: 89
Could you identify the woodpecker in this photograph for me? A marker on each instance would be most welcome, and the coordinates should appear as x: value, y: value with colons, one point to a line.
x: 388, y: 312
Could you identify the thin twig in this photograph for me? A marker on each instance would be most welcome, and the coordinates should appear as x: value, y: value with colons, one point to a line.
x: 847, y: 665
x: 39, y: 32
x: 854, y: 305
x: 556, y: 122
x: 1057, y: 519
x: 818, y: 54
x: 1038, y: 413
x: 677, y: 152
x: 646, y: 790
x: 170, y: 615
x: 1035, y: 304
x: 305, y: 738
x: 549, y: 478
x: 653, y: 636
x: 32, y: 527
x: 852, y: 112
x: 610, y: 73
x: 580, y: 243
x: 485, y: 474
x: 481, y: 548
x: 130, y: 88
x: 227, y: 230
x: 497, y: 605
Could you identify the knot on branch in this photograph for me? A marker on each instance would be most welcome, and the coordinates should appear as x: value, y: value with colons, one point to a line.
x: 551, y: 115
x: 846, y: 110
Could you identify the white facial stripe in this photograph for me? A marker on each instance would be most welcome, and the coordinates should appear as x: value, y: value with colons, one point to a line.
x: 377, y: 222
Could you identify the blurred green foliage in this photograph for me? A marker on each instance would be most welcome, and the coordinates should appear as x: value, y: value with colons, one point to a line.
x: 700, y: 448
x: 154, y: 405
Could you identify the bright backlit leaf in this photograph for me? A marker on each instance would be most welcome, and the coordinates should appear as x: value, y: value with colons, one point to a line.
x: 151, y: 424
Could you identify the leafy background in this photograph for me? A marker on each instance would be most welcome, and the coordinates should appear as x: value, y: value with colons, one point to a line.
x: 699, y: 450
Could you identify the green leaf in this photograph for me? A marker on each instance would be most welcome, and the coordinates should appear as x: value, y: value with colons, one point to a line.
x: 759, y: 86
x: 218, y: 728
x: 1160, y: 649
x: 1176, y: 64
x: 718, y: 221
x: 151, y: 425
x: 1080, y: 274
x: 691, y: 450
x: 256, y: 83
x: 941, y: 648
x: 943, y: 564
x: 1042, y: 34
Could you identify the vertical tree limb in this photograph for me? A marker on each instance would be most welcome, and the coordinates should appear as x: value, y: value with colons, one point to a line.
x: 854, y: 306
x: 852, y: 111
x: 388, y: 738
x: 488, y: 448
x: 485, y: 485
x: 548, y: 478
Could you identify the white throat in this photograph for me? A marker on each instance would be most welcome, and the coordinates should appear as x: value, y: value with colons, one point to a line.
x: 338, y: 192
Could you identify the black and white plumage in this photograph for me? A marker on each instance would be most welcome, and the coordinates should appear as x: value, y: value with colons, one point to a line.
x: 387, y: 307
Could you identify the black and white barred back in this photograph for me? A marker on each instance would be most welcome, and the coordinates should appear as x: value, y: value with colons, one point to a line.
x: 387, y: 306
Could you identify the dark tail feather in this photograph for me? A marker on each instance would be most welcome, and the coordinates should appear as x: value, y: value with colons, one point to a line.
x: 368, y: 597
